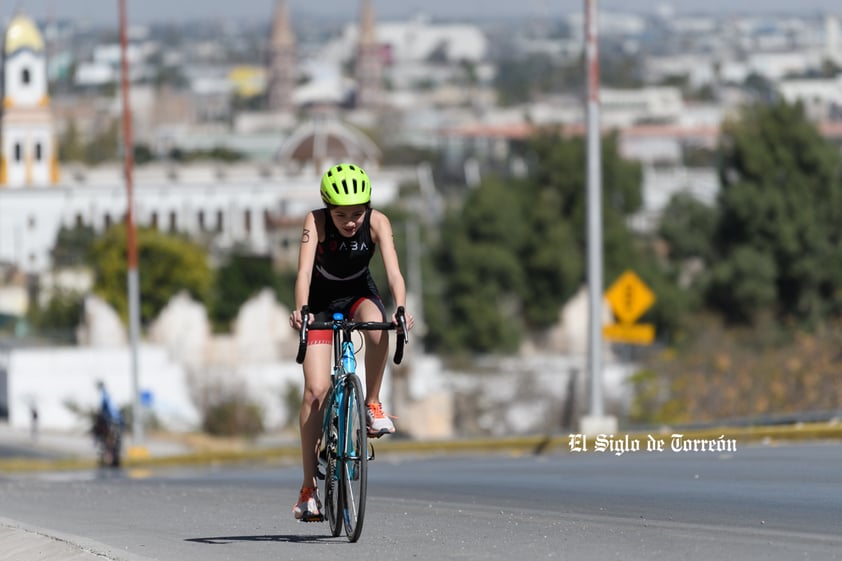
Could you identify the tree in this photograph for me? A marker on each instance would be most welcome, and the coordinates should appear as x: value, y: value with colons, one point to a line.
x: 73, y: 246
x: 59, y: 316
x: 744, y: 284
x: 238, y: 279
x: 777, y: 241
x: 167, y: 265
x: 687, y: 226
x: 559, y: 194
x: 479, y: 257
x: 514, y: 252
x: 773, y: 267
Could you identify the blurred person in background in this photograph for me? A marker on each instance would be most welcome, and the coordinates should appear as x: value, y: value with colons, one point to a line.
x: 108, y: 428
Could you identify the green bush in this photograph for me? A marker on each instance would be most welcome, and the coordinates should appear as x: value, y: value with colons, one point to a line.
x: 233, y: 415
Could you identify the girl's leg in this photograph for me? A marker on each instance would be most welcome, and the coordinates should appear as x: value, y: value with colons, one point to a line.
x: 376, y: 355
x: 316, y: 385
x: 377, y: 349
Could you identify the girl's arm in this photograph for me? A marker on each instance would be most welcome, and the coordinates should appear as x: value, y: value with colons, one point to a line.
x: 381, y: 230
x: 306, y: 258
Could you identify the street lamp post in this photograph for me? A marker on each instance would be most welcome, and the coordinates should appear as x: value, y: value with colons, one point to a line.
x: 596, y: 421
x: 131, y: 239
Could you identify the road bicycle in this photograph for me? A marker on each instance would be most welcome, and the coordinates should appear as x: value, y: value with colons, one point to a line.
x: 108, y: 437
x: 344, y: 448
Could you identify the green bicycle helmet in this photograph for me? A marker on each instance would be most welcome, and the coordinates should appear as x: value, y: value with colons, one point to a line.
x: 346, y: 185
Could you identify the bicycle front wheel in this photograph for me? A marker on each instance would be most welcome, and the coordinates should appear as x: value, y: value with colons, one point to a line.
x: 333, y: 486
x: 354, y: 471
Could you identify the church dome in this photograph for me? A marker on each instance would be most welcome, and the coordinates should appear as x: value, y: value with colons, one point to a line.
x: 327, y: 140
x: 22, y: 33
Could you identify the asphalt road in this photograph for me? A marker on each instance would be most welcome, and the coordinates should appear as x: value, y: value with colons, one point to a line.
x: 27, y: 451
x: 760, y: 502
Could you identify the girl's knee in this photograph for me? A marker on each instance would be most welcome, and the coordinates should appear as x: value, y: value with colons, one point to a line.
x: 314, y: 395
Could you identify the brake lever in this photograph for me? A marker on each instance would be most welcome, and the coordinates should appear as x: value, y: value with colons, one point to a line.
x: 302, y: 341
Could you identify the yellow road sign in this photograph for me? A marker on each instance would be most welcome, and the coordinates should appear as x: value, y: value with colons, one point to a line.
x: 633, y: 333
x: 629, y: 297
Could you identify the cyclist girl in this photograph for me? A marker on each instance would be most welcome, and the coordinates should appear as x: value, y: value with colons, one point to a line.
x: 337, y: 245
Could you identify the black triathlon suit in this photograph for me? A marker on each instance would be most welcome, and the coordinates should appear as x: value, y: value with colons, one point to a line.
x: 341, y: 278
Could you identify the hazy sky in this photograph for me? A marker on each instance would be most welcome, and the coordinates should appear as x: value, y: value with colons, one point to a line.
x: 145, y: 11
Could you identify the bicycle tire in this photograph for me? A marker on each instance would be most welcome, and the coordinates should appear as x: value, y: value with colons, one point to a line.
x: 333, y: 494
x: 354, y: 464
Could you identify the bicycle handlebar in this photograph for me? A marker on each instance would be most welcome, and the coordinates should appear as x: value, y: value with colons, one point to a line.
x: 345, y: 324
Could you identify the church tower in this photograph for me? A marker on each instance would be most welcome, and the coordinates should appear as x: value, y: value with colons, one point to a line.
x: 28, y: 151
x: 369, y: 69
x: 282, y: 61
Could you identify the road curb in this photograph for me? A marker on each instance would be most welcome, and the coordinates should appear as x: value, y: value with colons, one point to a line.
x: 524, y: 445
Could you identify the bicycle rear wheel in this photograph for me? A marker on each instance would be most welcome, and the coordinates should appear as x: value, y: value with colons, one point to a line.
x: 333, y: 494
x: 354, y: 467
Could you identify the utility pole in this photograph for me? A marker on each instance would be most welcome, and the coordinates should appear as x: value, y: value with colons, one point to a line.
x: 596, y: 422
x: 131, y: 238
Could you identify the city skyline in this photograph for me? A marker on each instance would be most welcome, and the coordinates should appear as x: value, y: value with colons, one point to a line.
x: 151, y: 11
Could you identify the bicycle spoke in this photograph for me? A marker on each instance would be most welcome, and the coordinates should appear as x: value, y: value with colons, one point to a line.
x: 333, y: 493
x: 355, y: 465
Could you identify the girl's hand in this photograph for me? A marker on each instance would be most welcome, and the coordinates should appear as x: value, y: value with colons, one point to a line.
x: 410, y: 321
x: 295, y: 320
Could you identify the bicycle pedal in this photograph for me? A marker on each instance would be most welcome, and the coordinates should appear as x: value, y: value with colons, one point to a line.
x: 371, y: 452
x: 312, y: 518
x: 378, y: 434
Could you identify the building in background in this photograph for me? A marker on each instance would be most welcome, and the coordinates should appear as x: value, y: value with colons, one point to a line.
x: 282, y: 62
x: 369, y: 69
x: 29, y: 153
x: 225, y: 205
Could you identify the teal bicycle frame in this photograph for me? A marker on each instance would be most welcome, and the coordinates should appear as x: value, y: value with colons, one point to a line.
x: 345, y: 366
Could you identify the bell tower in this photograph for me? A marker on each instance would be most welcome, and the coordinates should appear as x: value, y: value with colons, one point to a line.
x: 28, y: 151
x: 282, y: 61
x: 369, y: 69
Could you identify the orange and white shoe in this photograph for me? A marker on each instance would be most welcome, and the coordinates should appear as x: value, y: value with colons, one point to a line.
x: 309, y: 507
x: 378, y: 422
